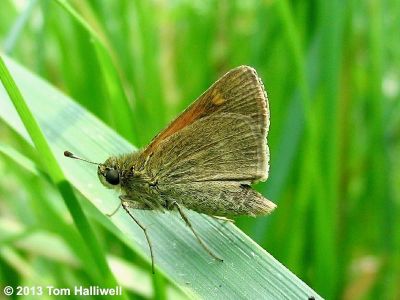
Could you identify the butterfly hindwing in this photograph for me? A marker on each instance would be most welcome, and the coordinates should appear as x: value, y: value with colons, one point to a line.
x: 218, y: 198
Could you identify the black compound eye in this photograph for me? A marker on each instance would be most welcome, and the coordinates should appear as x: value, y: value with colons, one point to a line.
x: 112, y: 177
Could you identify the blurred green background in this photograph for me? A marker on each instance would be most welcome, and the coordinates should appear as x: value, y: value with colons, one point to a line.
x: 331, y: 71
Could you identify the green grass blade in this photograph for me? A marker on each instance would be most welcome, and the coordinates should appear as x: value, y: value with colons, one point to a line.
x: 328, y: 197
x: 52, y: 167
x: 53, y: 221
x: 247, y: 270
x: 118, y: 102
x: 378, y: 150
x: 50, y: 218
x: 17, y: 28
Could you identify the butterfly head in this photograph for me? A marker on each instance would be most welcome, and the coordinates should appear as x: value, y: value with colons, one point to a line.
x: 109, y: 173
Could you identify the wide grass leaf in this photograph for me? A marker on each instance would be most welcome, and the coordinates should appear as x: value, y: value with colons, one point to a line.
x: 248, y: 271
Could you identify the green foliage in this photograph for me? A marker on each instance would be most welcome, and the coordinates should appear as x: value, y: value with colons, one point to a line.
x: 178, y: 251
x: 331, y: 72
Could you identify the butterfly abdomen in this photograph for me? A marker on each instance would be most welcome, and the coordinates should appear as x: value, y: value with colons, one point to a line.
x: 218, y: 198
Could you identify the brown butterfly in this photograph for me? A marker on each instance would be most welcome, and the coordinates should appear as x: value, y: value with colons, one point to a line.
x: 205, y: 160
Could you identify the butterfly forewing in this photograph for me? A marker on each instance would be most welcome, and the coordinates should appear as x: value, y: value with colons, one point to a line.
x: 222, y: 131
x: 221, y: 147
x: 238, y: 91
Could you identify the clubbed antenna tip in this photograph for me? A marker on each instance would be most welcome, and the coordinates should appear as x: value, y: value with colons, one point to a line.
x: 68, y: 154
x: 71, y: 155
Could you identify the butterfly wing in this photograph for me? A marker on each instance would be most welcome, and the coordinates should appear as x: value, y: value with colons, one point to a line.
x: 220, y: 137
x: 221, y: 147
x: 218, y: 198
x: 239, y: 91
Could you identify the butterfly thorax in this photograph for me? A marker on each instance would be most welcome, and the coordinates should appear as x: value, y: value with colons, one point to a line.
x: 136, y: 183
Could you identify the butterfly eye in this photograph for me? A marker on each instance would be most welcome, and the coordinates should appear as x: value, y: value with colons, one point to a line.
x: 112, y: 176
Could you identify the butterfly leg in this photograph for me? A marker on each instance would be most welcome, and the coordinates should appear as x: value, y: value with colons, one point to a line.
x: 128, y: 203
x: 133, y: 204
x: 125, y: 206
x: 115, y: 210
x: 185, y: 218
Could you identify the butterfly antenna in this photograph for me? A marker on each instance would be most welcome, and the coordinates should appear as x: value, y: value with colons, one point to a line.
x: 71, y: 155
